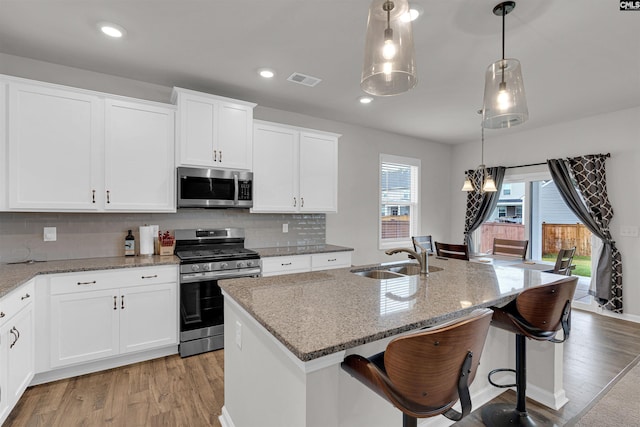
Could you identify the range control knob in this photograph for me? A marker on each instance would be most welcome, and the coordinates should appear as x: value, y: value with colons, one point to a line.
x: 223, y: 265
x: 240, y: 264
x: 195, y: 267
x: 249, y: 263
x: 206, y: 267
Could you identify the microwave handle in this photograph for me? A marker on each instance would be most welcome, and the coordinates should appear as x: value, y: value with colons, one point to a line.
x: 236, y: 185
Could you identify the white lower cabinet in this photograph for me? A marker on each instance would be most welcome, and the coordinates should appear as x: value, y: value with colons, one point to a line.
x: 103, y: 314
x: 274, y: 266
x: 16, y: 346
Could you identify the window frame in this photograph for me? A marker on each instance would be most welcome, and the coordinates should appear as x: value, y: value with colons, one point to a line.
x: 414, y: 217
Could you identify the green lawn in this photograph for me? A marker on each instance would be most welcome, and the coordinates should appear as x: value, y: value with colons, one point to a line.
x: 582, y: 263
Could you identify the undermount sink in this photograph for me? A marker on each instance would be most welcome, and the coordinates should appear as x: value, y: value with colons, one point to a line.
x: 378, y: 274
x: 393, y: 271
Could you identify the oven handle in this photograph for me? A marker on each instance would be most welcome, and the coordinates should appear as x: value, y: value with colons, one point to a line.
x: 217, y: 275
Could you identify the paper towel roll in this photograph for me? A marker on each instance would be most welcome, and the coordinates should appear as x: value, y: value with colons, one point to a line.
x: 156, y: 241
x: 146, y: 240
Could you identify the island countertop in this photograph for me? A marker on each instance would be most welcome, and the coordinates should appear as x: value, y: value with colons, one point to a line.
x: 320, y: 313
x: 299, y: 250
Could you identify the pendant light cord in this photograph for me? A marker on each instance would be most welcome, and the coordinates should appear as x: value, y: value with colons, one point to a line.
x: 503, y: 65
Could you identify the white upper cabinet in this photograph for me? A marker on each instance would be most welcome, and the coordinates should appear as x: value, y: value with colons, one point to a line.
x: 213, y: 131
x: 79, y: 151
x: 4, y: 173
x: 294, y: 169
x: 55, y: 137
x: 139, y: 165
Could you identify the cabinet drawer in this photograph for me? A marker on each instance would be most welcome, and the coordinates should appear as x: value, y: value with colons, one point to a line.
x: 16, y: 300
x: 326, y: 261
x: 98, y: 280
x: 285, y: 265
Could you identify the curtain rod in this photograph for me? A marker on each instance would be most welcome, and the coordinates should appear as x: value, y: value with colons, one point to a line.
x: 543, y: 163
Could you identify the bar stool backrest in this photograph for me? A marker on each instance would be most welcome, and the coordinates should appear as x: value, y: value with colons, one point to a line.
x: 543, y: 307
x: 424, y: 367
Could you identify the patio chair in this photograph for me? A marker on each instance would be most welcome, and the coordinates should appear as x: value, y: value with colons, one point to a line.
x: 563, y: 262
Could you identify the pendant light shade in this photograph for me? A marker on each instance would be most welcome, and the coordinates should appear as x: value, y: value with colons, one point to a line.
x: 486, y: 183
x: 489, y: 185
x: 505, y: 104
x: 389, y: 59
x: 467, y: 186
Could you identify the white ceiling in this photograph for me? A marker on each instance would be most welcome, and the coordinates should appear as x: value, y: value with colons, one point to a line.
x: 579, y: 57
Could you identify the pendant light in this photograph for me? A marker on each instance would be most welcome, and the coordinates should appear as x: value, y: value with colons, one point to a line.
x: 389, y: 59
x: 505, y: 104
x: 488, y: 184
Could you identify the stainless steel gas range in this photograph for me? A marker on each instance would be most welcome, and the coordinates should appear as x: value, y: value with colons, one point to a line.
x: 206, y: 256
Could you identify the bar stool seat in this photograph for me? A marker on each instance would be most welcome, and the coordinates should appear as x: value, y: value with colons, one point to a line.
x: 537, y: 313
x: 425, y: 373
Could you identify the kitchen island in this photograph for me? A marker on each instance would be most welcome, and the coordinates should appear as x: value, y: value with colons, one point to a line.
x: 285, y: 337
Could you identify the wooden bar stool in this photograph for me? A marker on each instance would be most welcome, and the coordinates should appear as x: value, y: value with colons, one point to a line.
x: 424, y: 374
x: 537, y: 313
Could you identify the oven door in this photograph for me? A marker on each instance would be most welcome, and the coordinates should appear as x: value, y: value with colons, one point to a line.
x: 201, y: 310
x: 214, y: 188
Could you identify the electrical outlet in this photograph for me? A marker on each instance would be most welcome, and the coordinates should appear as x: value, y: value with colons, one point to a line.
x: 50, y: 234
x: 285, y: 228
x: 239, y: 334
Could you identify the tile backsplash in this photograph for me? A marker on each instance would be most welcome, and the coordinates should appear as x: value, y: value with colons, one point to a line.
x: 89, y: 235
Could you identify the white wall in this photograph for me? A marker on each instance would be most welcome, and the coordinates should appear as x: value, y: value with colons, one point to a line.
x: 356, y: 223
x: 617, y: 133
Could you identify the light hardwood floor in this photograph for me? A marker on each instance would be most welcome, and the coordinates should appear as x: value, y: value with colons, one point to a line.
x: 189, y: 392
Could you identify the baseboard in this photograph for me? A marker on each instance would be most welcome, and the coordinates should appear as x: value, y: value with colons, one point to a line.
x: 552, y: 400
x: 593, y: 307
x: 225, y: 418
x: 101, y: 365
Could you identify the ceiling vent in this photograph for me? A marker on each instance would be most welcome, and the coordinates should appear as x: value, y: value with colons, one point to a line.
x: 303, y: 79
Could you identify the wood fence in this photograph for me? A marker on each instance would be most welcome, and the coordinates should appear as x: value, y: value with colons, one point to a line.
x: 395, y: 227
x: 499, y: 230
x: 558, y: 236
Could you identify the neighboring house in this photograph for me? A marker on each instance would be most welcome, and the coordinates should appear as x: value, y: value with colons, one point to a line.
x: 553, y: 210
x: 510, y: 204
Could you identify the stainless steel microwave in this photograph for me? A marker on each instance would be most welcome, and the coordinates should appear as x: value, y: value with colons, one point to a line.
x: 214, y: 188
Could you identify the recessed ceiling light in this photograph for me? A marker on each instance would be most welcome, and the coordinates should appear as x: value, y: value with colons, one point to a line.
x: 112, y: 30
x: 415, y: 11
x: 267, y: 73
x: 365, y: 100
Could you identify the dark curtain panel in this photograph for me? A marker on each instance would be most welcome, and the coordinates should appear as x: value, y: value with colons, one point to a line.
x: 583, y: 186
x: 479, y: 204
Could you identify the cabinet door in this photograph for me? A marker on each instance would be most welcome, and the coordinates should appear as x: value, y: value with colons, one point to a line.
x: 318, y: 173
x: 84, y: 326
x: 54, y: 149
x: 148, y: 317
x: 4, y: 178
x: 139, y: 167
x: 4, y: 399
x: 197, y: 116
x: 234, y: 136
x: 18, y: 336
x: 275, y: 169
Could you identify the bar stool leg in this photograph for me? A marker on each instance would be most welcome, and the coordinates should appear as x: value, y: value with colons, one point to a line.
x: 504, y: 414
x: 409, y: 421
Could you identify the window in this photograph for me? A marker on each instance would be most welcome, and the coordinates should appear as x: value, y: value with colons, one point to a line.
x: 506, y: 189
x: 399, y: 205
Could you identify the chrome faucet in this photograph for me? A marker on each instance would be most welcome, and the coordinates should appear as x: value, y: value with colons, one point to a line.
x: 421, y: 257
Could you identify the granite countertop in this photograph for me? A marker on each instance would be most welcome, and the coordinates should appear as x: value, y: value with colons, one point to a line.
x: 14, y: 275
x: 299, y: 250
x: 320, y: 313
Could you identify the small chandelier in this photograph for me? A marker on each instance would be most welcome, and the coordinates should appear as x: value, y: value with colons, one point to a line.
x: 488, y: 184
x: 389, y: 60
x: 505, y: 104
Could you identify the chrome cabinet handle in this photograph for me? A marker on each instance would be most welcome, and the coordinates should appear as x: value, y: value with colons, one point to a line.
x: 220, y: 155
x: 25, y: 297
x: 294, y: 202
x: 16, y: 335
x: 122, y: 301
x: 215, y: 155
x: 285, y: 263
x: 150, y: 277
x: 302, y: 202
x: 86, y: 283
x: 108, y: 196
x: 115, y: 302
x: 331, y: 260
x: 93, y: 196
